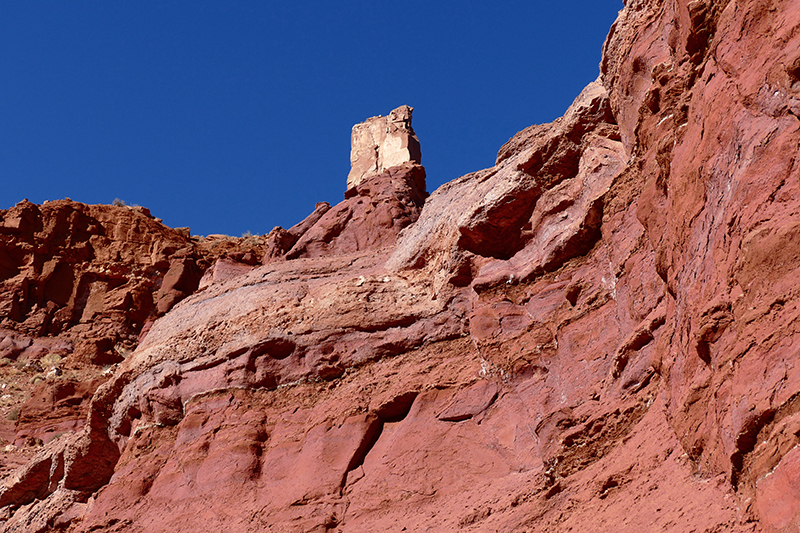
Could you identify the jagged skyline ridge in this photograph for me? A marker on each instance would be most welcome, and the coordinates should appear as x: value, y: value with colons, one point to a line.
x: 196, y: 113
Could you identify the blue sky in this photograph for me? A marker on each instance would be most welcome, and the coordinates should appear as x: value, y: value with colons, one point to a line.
x: 235, y: 116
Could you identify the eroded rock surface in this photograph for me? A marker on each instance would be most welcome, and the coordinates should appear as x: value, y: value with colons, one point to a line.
x: 79, y: 285
x: 380, y: 143
x: 597, y: 333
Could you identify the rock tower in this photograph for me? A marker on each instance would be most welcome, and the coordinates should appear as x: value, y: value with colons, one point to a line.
x: 382, y: 142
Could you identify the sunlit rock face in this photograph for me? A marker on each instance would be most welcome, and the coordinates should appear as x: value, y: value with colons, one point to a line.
x: 380, y: 143
x: 598, y: 333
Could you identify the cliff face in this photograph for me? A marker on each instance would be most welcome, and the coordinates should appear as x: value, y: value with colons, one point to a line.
x: 716, y: 139
x: 599, y: 332
x: 79, y: 285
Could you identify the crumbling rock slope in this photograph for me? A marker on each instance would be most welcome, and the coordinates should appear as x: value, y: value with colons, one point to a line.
x: 598, y: 333
x: 79, y: 285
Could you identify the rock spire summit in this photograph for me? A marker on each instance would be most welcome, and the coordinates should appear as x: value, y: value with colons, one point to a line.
x: 382, y: 142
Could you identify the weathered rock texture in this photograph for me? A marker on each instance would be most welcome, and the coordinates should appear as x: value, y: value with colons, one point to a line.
x: 370, y: 218
x: 94, y: 274
x: 380, y: 143
x: 79, y: 285
x: 598, y: 333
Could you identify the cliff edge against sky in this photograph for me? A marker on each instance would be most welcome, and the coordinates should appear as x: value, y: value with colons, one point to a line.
x: 598, y: 333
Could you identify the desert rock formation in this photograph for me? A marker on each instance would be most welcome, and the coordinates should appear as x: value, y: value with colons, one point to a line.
x: 380, y: 143
x: 597, y: 333
x: 79, y: 286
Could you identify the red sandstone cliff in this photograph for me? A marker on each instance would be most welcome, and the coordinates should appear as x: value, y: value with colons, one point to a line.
x: 598, y: 333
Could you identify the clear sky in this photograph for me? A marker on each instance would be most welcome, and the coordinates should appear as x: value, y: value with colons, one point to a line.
x: 234, y: 116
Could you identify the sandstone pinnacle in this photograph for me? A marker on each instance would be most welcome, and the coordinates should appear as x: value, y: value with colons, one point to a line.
x: 380, y: 143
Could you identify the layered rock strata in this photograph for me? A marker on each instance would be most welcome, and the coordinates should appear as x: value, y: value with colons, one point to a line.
x: 597, y: 333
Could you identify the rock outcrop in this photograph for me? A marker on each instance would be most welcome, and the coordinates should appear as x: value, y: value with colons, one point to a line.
x: 380, y: 143
x: 79, y: 285
x: 93, y: 275
x: 93, y: 271
x: 597, y: 333
x: 370, y: 218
